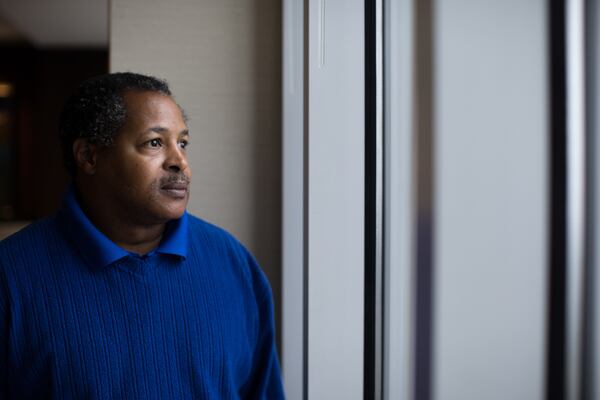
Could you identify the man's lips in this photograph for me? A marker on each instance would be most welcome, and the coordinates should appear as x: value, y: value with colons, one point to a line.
x: 177, y: 190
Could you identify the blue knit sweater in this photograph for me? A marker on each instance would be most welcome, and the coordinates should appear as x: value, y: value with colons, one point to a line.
x: 81, y: 318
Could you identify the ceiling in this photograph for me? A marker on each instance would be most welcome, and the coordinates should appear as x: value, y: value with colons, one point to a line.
x: 55, y: 23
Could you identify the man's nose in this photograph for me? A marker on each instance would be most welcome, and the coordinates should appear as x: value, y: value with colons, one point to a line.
x: 176, y: 159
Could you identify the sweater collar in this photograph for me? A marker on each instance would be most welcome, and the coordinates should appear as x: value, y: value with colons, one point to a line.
x: 99, y: 251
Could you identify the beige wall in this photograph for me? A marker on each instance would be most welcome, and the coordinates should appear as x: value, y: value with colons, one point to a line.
x: 222, y: 59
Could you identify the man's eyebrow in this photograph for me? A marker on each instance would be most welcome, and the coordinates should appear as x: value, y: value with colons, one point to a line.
x: 161, y: 129
x: 157, y: 129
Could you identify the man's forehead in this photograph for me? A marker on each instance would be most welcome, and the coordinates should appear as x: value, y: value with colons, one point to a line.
x: 162, y: 129
x: 147, y: 104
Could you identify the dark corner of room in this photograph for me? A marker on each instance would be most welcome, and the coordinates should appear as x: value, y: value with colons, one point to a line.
x: 41, y: 66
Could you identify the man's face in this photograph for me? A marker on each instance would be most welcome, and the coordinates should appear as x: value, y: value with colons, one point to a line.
x: 146, y: 173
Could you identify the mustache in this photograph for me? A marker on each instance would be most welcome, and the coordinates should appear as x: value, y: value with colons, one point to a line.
x: 175, y: 178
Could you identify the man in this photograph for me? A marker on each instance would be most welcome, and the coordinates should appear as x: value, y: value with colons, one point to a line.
x: 122, y: 294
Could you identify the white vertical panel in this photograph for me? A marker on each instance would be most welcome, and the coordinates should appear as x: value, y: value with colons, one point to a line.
x: 575, y: 194
x: 293, y: 200
x: 593, y: 118
x: 335, y: 199
x: 491, y: 160
x: 398, y: 257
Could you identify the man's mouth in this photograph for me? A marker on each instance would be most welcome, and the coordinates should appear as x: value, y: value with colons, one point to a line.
x: 176, y: 190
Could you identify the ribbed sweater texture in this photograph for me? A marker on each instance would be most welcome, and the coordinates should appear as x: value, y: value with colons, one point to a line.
x: 160, y: 326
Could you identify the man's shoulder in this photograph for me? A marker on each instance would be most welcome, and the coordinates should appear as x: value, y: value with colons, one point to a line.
x: 231, y: 254
x: 29, y: 248
x: 201, y: 229
x: 31, y: 236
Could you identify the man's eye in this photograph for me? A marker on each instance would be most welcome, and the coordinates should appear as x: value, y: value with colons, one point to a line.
x: 184, y: 144
x: 154, y: 143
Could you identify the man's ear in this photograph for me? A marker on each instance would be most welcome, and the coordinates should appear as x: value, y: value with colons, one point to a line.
x: 85, y: 154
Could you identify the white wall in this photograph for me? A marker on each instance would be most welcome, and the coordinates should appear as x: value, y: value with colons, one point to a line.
x: 222, y: 59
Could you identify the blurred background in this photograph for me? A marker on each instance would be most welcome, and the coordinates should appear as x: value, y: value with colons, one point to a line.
x: 46, y: 48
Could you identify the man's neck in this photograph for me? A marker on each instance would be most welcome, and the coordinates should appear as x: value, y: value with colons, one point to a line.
x: 146, y: 241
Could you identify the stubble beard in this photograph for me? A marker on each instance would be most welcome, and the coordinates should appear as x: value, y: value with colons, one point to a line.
x: 159, y: 196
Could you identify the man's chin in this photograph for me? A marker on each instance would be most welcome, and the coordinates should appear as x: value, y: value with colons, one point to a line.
x: 167, y: 211
x: 176, y: 213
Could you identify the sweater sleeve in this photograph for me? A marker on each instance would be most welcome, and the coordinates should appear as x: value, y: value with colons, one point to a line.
x: 265, y: 380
